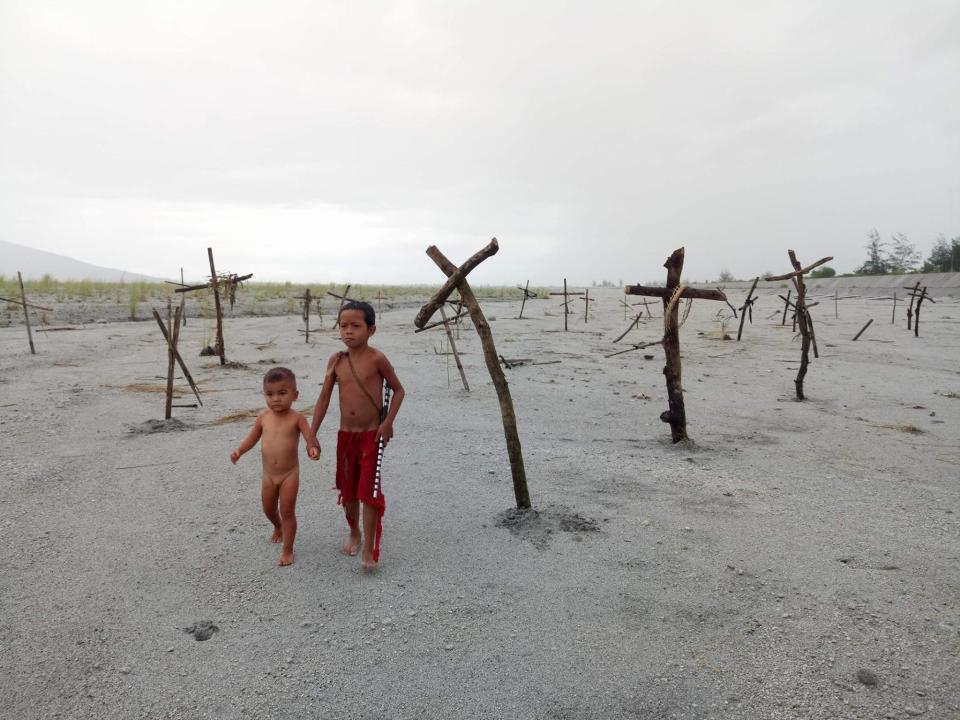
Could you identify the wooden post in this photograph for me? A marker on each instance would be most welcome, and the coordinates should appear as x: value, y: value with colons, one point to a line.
x: 786, y: 306
x: 514, y: 450
x: 913, y: 294
x: 453, y: 349
x: 670, y: 295
x: 26, y: 314
x: 586, y: 305
x: 214, y: 283
x: 566, y: 308
x: 306, y: 315
x: 836, y: 310
x: 747, y: 306
x: 893, y: 317
x: 183, y: 301
x: 176, y: 353
x: 800, y: 315
x: 526, y: 294
x: 916, y: 318
x: 862, y: 329
x: 171, y: 359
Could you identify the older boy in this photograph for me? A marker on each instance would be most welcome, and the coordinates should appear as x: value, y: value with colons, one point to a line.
x: 281, y: 428
x: 360, y: 371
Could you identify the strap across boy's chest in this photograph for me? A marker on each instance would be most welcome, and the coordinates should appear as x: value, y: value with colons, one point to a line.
x: 362, y: 385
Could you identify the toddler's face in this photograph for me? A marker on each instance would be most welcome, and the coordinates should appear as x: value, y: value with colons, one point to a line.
x: 280, y: 395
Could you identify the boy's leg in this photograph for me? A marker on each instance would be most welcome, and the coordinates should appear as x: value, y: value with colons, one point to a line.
x: 268, y: 496
x: 370, y: 517
x: 351, y: 509
x: 288, y: 514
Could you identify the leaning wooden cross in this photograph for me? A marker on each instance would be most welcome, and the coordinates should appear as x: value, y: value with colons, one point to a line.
x: 344, y: 299
x: 457, y: 280
x: 172, y: 337
x: 307, y: 298
x: 526, y: 294
x: 671, y: 295
x: 801, y: 314
x: 747, y: 308
x: 230, y: 282
x: 453, y: 345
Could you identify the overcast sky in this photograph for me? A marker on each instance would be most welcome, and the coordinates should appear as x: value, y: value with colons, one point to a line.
x: 335, y: 141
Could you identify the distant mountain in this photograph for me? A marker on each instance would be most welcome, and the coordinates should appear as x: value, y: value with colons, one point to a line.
x: 34, y: 264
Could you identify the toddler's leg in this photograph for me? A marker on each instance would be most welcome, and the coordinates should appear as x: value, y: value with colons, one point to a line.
x: 351, y: 510
x: 370, y: 517
x: 268, y: 496
x: 288, y: 515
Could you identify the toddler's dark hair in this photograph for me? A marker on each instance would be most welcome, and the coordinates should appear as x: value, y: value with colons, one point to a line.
x: 280, y: 373
x: 369, y: 315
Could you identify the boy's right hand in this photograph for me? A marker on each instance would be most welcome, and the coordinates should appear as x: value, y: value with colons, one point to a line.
x: 234, y: 456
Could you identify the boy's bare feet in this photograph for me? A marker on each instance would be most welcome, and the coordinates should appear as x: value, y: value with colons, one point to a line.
x: 277, y: 537
x: 352, y: 545
x: 367, y: 562
x: 286, y: 558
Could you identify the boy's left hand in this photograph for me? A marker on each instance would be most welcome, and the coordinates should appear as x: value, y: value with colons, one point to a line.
x: 385, y: 431
x: 313, y: 452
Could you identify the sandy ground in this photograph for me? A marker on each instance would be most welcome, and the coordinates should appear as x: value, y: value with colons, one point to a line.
x: 796, y: 560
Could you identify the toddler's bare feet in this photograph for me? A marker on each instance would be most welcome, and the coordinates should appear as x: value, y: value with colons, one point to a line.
x: 352, y: 544
x: 367, y: 562
x: 286, y: 558
x: 277, y: 537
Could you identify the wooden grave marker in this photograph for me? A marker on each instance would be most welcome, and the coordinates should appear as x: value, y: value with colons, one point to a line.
x: 26, y: 315
x: 453, y: 345
x: 566, y: 302
x: 747, y: 307
x: 344, y: 299
x: 670, y: 295
x: 801, y: 313
x: 230, y: 282
x: 526, y: 295
x: 921, y: 296
x: 457, y: 280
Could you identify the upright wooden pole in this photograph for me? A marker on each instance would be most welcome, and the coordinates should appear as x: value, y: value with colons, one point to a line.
x: 214, y: 283
x: 26, y: 313
x: 893, y: 317
x: 836, y: 311
x: 306, y: 315
x: 677, y: 414
x: 586, y: 305
x: 183, y: 301
x: 786, y: 306
x: 566, y: 308
x: 913, y: 294
x: 174, y: 324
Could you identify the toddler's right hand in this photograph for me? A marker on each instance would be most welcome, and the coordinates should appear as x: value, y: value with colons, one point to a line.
x: 234, y: 456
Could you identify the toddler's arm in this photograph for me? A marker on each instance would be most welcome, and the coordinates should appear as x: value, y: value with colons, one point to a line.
x: 313, y: 445
x: 249, y: 441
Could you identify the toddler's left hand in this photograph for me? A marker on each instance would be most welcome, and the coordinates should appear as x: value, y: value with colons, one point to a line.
x: 313, y: 452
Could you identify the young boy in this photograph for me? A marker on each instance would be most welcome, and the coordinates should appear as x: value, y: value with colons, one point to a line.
x: 360, y: 371
x: 281, y: 429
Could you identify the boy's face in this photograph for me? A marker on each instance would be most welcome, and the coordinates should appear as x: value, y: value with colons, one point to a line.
x: 354, y: 331
x: 280, y: 394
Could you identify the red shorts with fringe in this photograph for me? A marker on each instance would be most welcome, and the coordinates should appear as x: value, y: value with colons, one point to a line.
x: 357, y: 474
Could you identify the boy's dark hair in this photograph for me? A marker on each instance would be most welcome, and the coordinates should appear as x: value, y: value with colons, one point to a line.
x: 280, y: 373
x: 369, y: 315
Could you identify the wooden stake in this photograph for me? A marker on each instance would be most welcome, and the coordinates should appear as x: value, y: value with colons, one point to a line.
x: 26, y: 314
x: 786, y: 306
x: 183, y: 365
x: 862, y: 329
x: 747, y: 307
x: 215, y: 284
x: 526, y: 294
x: 836, y: 310
x: 913, y: 292
x: 453, y: 349
x: 171, y: 360
x: 183, y: 301
x: 893, y: 317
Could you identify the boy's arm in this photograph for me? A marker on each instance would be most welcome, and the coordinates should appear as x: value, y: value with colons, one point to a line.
x: 313, y: 445
x: 386, y: 370
x: 326, y: 392
x: 249, y: 441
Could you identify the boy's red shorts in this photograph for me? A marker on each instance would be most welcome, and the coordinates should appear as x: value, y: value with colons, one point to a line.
x: 357, y: 468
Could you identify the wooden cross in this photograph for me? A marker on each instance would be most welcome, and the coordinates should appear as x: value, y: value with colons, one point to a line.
x: 801, y: 315
x: 26, y: 315
x: 380, y: 298
x: 228, y: 281
x: 913, y: 293
x: 586, y: 303
x: 670, y: 295
x: 921, y: 296
x: 526, y: 294
x: 457, y: 280
x: 566, y: 302
x: 306, y: 297
x: 343, y: 300
x: 183, y: 298
x: 172, y: 337
x: 747, y: 307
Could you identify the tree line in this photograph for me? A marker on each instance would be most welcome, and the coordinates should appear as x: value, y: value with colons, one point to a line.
x: 900, y: 255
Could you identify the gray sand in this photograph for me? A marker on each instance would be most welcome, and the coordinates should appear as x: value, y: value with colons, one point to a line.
x: 795, y: 560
